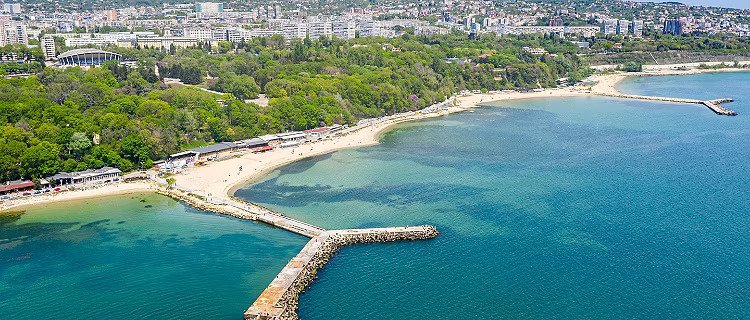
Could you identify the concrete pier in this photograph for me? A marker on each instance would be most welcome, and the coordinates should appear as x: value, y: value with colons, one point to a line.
x: 280, y: 299
x: 713, y: 105
x: 244, y: 210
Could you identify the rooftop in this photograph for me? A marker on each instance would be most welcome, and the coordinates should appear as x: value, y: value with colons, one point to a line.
x: 86, y: 173
x: 76, y: 52
x: 215, y: 147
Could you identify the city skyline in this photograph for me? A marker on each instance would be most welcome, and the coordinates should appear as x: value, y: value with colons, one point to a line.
x: 738, y: 4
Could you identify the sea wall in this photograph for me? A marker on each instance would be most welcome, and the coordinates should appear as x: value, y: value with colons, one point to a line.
x: 281, y: 299
x: 202, y: 204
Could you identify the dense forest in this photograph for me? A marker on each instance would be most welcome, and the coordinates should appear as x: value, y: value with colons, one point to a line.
x: 74, y: 119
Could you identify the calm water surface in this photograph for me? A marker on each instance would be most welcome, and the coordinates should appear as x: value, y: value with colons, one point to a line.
x: 135, y: 257
x: 578, y: 208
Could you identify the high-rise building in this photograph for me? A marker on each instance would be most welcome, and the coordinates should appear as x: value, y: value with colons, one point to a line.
x: 209, y: 8
x: 609, y: 26
x: 674, y: 26
x: 344, y: 28
x: 48, y: 46
x: 294, y: 29
x: 623, y: 26
x: 13, y: 32
x: 636, y: 28
x: 369, y: 28
x: 319, y: 27
x: 12, y: 8
x: 556, y: 22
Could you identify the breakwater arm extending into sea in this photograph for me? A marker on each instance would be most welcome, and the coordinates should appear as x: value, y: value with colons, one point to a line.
x: 280, y: 299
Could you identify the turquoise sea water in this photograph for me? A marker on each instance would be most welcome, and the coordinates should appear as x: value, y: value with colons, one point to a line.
x: 135, y: 257
x: 577, y: 208
x: 584, y: 208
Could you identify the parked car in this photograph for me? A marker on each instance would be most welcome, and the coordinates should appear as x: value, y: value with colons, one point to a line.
x: 57, y: 189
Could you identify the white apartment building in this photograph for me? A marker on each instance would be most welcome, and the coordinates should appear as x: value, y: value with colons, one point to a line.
x: 623, y: 26
x: 636, y: 28
x: 369, y: 28
x: 13, y: 32
x: 344, y: 28
x: 609, y: 26
x: 319, y: 27
x: 199, y: 33
x: 12, y: 8
x: 294, y: 29
x: 166, y: 43
x: 48, y: 46
x: 103, y: 39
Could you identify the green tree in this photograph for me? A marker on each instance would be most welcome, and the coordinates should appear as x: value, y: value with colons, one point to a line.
x: 41, y: 160
x: 135, y: 149
x: 79, y: 143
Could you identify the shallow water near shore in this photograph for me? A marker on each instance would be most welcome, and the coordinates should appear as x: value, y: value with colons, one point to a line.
x: 574, y: 208
x: 140, y: 256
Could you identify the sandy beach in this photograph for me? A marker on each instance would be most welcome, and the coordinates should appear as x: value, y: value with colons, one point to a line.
x: 103, y: 191
x: 220, y: 179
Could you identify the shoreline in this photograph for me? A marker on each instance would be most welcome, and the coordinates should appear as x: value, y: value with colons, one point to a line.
x: 75, y: 195
x: 214, y: 180
x: 200, y: 187
x: 607, y: 83
x: 218, y: 180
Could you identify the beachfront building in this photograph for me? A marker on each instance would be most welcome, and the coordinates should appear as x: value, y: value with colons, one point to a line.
x: 214, y: 151
x: 178, y: 161
x: 251, y: 143
x: 271, y: 139
x: 317, y: 133
x: 16, y: 186
x: 101, y: 175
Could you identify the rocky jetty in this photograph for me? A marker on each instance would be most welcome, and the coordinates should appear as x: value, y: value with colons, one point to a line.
x: 281, y: 299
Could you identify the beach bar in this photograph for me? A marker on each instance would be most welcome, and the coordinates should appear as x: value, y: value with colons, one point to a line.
x: 215, y: 151
x: 16, y: 186
x: 87, y: 176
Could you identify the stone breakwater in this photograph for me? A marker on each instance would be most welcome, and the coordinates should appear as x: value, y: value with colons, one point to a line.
x: 713, y: 105
x: 243, y: 210
x: 280, y: 300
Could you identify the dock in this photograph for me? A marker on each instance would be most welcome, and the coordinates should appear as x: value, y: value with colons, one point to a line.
x: 713, y: 105
x: 279, y: 301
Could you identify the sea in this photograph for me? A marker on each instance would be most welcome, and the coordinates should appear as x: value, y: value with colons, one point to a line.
x: 564, y: 208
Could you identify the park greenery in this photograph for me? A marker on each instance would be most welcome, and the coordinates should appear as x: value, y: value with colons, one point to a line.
x: 74, y: 119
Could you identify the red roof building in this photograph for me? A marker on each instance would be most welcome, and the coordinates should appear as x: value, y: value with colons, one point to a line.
x: 16, y: 186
